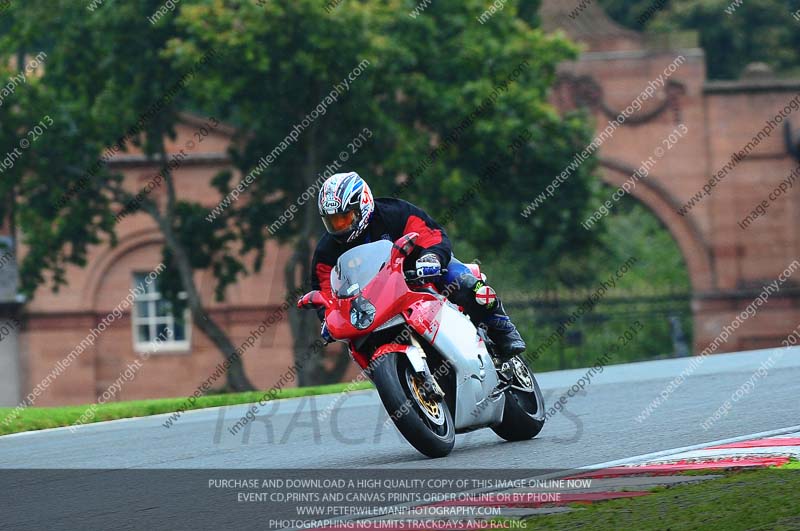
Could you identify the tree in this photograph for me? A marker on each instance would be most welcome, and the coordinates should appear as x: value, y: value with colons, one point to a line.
x: 107, y: 84
x: 732, y: 36
x: 440, y: 98
x: 633, y: 14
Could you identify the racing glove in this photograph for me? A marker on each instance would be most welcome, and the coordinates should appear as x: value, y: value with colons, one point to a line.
x: 428, y: 266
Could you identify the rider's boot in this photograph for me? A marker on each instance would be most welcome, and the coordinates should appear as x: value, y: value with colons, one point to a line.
x: 503, y: 333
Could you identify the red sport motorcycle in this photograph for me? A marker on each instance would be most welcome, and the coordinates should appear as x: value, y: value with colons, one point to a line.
x: 433, y: 369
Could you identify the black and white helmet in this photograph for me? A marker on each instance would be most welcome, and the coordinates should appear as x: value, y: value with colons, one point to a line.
x: 346, y: 205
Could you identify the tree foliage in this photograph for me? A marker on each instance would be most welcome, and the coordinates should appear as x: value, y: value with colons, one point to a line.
x: 443, y: 97
x: 453, y: 115
x: 656, y: 267
x: 755, y: 31
x: 425, y: 77
x: 107, y: 85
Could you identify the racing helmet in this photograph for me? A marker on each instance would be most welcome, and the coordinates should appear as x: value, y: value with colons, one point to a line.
x: 346, y: 205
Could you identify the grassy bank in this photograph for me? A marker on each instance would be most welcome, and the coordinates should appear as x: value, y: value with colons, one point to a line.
x: 40, y: 418
x: 744, y: 500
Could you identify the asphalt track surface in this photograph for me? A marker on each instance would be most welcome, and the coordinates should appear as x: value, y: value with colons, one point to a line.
x: 138, y: 474
x: 597, y: 425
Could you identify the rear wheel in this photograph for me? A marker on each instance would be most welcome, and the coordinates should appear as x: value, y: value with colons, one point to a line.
x: 425, y: 423
x: 524, y: 413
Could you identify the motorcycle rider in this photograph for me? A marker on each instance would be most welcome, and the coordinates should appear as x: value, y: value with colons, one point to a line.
x: 352, y: 216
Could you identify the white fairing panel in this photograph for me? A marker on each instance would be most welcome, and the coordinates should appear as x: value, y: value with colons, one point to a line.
x: 458, y: 342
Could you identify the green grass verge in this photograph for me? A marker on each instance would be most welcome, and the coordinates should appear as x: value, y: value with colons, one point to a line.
x: 744, y: 500
x: 40, y: 418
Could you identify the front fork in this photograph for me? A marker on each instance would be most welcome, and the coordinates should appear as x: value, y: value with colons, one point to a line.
x: 416, y: 356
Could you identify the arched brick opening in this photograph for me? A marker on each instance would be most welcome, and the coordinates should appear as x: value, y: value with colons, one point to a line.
x: 100, y: 267
x: 695, y: 249
x: 107, y: 286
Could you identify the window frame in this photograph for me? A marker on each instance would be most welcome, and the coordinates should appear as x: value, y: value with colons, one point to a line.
x: 152, y: 297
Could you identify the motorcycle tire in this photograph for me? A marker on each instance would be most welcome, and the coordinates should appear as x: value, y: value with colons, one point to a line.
x: 391, y: 374
x: 523, y: 415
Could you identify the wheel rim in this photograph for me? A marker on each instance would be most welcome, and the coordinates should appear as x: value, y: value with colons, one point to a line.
x: 431, y: 410
x: 522, y: 373
x: 429, y: 407
x: 437, y: 422
x: 531, y: 401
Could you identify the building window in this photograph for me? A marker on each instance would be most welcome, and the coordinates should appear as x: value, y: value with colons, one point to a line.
x: 154, y: 318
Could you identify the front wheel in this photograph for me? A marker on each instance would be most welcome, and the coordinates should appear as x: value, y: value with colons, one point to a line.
x: 425, y: 423
x: 524, y: 413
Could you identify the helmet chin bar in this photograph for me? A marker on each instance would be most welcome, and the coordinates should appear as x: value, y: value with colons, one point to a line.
x: 356, y: 229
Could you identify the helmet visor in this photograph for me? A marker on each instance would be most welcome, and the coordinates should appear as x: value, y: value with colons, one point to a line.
x: 340, y: 223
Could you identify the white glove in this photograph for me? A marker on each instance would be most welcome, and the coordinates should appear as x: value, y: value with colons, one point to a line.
x: 428, y: 266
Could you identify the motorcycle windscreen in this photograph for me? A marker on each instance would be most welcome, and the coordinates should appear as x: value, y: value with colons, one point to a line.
x: 357, y: 267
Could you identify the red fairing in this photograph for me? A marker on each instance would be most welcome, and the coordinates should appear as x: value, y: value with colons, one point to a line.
x: 421, y: 316
x: 386, y: 292
x: 390, y: 295
x: 361, y: 359
x: 389, y: 347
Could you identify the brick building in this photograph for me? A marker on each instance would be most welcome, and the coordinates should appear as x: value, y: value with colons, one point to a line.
x: 722, y: 120
x: 54, y: 323
x: 727, y: 264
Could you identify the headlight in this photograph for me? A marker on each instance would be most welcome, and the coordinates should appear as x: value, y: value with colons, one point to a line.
x: 362, y: 313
